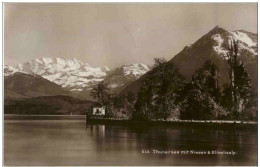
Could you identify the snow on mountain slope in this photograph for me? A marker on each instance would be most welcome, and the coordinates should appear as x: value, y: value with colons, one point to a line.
x: 246, y: 40
x: 218, y: 47
x: 69, y: 73
x: 125, y: 74
x: 135, y: 70
x: 242, y: 36
x: 76, y: 75
x: 9, y: 70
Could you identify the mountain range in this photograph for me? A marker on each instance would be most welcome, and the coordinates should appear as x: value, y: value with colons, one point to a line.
x: 68, y: 73
x: 67, y: 76
x: 71, y: 77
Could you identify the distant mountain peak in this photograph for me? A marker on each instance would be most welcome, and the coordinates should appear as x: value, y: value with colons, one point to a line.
x: 119, y: 77
x: 136, y: 69
x: 218, y: 27
x: 214, y: 46
x: 69, y: 73
x: 220, y: 38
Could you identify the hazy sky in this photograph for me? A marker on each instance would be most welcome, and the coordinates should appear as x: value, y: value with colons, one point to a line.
x: 114, y: 34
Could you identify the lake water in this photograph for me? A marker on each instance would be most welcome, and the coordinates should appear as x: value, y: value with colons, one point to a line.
x: 70, y: 142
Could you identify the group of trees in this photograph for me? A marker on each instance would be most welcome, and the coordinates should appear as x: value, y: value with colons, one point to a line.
x: 116, y: 105
x: 199, y: 98
x: 166, y: 94
x: 156, y: 98
x: 238, y: 96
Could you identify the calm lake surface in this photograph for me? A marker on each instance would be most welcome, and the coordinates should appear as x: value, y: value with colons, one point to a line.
x: 68, y: 141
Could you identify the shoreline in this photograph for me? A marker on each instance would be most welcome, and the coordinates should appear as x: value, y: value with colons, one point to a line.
x: 43, y: 117
x: 38, y: 115
x: 114, y: 121
x: 178, y: 123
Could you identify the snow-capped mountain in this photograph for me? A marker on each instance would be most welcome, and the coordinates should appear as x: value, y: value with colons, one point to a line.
x: 125, y: 74
x: 135, y: 70
x: 247, y: 41
x: 69, y: 73
x: 77, y: 76
x: 213, y: 46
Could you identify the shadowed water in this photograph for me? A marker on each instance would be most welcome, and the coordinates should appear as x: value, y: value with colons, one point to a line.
x: 71, y: 142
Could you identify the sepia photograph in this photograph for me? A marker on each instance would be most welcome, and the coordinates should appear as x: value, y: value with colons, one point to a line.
x: 130, y: 84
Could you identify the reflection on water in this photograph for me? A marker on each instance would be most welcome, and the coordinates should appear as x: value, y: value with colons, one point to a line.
x: 68, y: 142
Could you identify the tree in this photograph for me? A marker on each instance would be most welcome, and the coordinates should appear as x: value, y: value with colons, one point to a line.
x: 119, y: 101
x: 208, y: 78
x: 233, y: 64
x: 156, y: 98
x: 169, y: 81
x: 100, y: 92
x: 131, y: 97
x: 239, y: 92
x: 144, y: 106
x: 199, y: 98
x: 196, y: 105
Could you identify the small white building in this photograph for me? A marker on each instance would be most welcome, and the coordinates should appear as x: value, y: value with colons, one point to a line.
x: 99, y: 110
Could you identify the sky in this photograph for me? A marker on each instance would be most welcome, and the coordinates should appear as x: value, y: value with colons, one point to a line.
x: 114, y: 34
